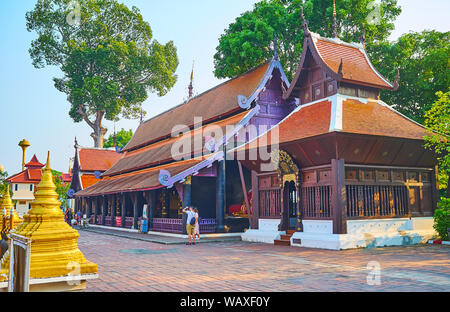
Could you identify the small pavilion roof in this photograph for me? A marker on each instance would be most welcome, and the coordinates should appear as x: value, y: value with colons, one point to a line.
x: 34, y: 162
x: 346, y: 62
x: 97, y: 159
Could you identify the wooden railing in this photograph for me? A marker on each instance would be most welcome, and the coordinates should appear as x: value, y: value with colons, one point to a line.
x: 176, y: 225
x: 269, y: 203
x: 377, y: 201
x: 316, y: 201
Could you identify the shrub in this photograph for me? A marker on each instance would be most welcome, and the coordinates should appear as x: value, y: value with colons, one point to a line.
x: 442, y: 218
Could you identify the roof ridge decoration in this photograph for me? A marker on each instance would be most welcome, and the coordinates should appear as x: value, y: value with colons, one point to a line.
x: 244, y: 102
x: 334, y: 20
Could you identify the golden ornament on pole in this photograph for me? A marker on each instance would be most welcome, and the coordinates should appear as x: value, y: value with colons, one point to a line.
x: 56, y: 262
x: 24, y: 144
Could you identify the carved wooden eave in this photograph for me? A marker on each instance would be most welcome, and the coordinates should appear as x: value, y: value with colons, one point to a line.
x: 164, y: 176
x: 245, y: 102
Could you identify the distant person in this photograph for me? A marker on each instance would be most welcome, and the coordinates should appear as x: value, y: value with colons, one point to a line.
x: 197, y: 224
x: 79, y: 217
x: 190, y: 223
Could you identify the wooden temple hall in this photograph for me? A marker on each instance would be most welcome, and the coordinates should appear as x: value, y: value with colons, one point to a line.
x: 345, y: 169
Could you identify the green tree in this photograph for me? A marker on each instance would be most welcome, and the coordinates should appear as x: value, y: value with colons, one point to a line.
x: 122, y: 138
x: 61, y: 187
x: 437, y: 119
x: 247, y: 42
x: 3, y: 183
x: 423, y: 60
x: 106, y: 53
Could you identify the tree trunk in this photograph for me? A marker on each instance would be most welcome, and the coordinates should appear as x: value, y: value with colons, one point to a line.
x: 99, y: 134
x: 99, y: 131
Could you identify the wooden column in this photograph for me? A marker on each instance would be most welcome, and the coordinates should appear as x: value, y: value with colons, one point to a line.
x: 114, y: 208
x: 95, y: 203
x: 255, y: 200
x: 105, y: 203
x: 244, y: 191
x: 151, y: 200
x: 220, y: 197
x: 338, y: 198
x: 134, y: 200
x: 123, y: 210
x: 298, y: 185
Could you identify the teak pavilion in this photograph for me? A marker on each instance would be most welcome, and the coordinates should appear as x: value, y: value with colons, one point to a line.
x: 352, y: 171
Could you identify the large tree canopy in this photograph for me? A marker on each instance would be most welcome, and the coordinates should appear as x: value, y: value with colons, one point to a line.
x: 246, y: 43
x: 122, y: 138
x: 423, y: 60
x: 107, y: 55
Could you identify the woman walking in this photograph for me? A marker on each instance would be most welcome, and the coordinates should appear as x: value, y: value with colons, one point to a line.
x: 197, y: 225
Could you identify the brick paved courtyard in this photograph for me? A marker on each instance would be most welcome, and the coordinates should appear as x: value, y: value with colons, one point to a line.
x: 131, y: 265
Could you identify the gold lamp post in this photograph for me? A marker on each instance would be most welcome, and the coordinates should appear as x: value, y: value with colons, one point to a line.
x: 24, y: 144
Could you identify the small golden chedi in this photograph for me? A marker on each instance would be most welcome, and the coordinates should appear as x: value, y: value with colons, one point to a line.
x: 54, y: 244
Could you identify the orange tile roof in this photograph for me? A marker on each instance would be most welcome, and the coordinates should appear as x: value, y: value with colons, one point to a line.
x: 92, y: 159
x: 218, y: 101
x: 376, y: 119
x: 356, y: 67
x: 359, y: 117
x: 137, y: 181
x: 162, y: 151
x: 23, y: 177
x: 88, y: 180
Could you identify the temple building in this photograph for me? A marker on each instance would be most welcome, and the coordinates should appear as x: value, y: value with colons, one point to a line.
x: 23, y: 185
x: 175, y: 159
x: 351, y: 171
x: 319, y: 162
x: 88, y: 165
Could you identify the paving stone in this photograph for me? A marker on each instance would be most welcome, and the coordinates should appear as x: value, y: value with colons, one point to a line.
x: 242, y: 266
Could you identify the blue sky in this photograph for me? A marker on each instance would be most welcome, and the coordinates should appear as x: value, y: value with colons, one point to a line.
x: 31, y: 108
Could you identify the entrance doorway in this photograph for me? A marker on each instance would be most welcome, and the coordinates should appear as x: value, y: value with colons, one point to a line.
x: 290, y: 204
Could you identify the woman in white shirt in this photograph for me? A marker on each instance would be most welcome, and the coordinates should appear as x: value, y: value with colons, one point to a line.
x: 196, y: 226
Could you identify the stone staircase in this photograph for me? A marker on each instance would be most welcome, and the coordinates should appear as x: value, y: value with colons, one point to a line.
x: 285, y: 240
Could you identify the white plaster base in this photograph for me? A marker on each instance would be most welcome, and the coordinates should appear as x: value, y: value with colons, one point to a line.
x: 267, y: 232
x: 370, y: 234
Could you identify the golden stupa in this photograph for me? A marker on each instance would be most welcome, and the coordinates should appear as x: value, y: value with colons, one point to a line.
x: 54, y: 244
x: 8, y: 205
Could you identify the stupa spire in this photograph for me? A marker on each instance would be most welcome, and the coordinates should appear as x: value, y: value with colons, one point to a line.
x: 7, y: 205
x: 54, y: 247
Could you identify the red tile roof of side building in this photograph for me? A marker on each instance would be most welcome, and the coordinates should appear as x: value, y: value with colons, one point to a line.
x: 212, y: 104
x: 94, y: 159
x: 34, y: 162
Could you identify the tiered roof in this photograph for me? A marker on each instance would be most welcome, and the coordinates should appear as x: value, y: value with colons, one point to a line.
x: 149, y: 152
x: 31, y: 175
